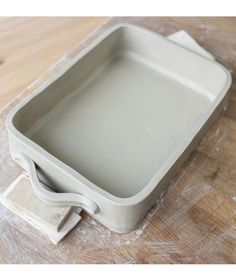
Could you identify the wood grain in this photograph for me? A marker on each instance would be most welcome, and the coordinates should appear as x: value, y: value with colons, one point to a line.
x: 29, y: 46
x: 194, y: 223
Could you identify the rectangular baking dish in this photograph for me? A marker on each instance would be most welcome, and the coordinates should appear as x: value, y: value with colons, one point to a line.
x: 109, y: 130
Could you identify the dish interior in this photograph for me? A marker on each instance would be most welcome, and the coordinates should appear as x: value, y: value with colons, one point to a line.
x: 119, y: 124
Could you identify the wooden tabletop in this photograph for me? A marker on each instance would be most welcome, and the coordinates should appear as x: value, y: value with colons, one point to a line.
x: 29, y: 46
x: 194, y: 223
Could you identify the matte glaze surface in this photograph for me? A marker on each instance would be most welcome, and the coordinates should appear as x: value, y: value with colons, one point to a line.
x: 116, y: 123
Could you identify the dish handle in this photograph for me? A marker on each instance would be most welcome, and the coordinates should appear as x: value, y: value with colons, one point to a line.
x: 52, y: 198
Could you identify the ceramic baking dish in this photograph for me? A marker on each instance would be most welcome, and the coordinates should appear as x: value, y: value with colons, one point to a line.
x: 108, y: 131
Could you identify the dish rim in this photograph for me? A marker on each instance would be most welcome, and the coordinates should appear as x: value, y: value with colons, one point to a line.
x: 161, y: 172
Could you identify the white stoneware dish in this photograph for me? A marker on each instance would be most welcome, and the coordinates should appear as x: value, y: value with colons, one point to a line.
x: 108, y: 131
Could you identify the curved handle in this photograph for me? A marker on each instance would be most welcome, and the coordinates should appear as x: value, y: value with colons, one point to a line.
x: 56, y: 199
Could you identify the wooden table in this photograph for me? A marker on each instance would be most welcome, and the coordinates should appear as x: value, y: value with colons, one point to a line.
x: 194, y: 223
x: 29, y: 46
